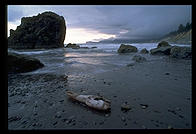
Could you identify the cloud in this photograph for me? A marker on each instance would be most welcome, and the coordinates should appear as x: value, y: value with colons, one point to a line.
x: 123, y: 21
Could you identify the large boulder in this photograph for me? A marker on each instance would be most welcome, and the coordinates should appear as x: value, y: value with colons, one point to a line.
x: 73, y: 46
x: 161, y: 50
x: 163, y: 44
x: 127, y: 49
x: 46, y: 30
x: 18, y: 63
x: 181, y: 52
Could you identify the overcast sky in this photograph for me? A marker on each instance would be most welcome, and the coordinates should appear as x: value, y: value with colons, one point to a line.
x: 97, y: 22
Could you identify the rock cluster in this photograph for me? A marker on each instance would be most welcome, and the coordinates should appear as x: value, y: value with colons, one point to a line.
x: 181, y: 52
x: 163, y: 48
x: 46, y: 30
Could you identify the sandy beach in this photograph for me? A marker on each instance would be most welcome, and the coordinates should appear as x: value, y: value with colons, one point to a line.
x: 159, y: 92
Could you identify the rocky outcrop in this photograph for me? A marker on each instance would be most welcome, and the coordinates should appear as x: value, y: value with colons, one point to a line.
x: 46, y: 30
x: 161, y: 50
x: 127, y: 49
x: 163, y: 44
x: 18, y: 63
x: 181, y: 52
x: 144, y: 51
x: 139, y: 58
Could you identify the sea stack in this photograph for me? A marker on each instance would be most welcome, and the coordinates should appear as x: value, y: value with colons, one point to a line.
x: 46, y: 30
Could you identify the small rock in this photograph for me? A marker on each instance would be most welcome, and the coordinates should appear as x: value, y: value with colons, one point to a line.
x: 138, y: 58
x: 179, y: 109
x: 144, y: 127
x: 131, y: 64
x: 170, y: 127
x: 71, y: 117
x: 125, y: 107
x: 58, y: 115
x: 55, y: 123
x: 106, y: 115
x: 180, y: 116
x: 144, y: 106
x: 167, y: 73
x: 61, y: 100
x: 101, y: 123
x: 123, y: 119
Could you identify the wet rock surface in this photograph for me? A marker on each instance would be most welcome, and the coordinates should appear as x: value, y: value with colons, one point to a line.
x: 18, y: 63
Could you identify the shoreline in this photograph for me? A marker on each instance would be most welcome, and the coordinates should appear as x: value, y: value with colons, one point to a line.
x: 38, y: 101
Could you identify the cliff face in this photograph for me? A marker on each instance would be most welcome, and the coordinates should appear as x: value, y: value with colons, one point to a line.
x: 46, y: 30
x: 181, y: 38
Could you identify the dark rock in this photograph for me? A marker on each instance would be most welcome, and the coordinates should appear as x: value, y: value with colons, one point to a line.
x: 163, y: 44
x: 161, y: 50
x: 167, y: 73
x: 127, y: 49
x: 123, y: 119
x: 181, y: 52
x: 125, y: 107
x: 131, y: 64
x: 93, y: 47
x: 138, y: 58
x: 18, y: 63
x: 84, y: 47
x: 144, y: 106
x: 73, y: 46
x: 144, y: 51
x: 46, y: 30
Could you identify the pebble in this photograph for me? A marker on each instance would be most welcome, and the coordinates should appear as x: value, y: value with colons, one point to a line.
x: 144, y: 127
x: 61, y: 100
x: 55, y: 123
x: 101, y: 123
x: 167, y: 73
x: 144, y: 106
x: 106, y: 115
x: 123, y: 119
x: 169, y: 127
x: 58, y: 115
x: 125, y: 107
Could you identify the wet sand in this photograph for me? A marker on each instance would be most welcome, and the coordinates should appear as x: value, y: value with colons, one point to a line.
x: 163, y: 86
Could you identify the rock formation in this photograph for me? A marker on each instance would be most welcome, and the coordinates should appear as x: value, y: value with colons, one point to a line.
x: 161, y: 50
x: 127, y: 49
x: 46, y: 30
x: 181, y: 52
x: 163, y: 44
x: 18, y: 63
x: 73, y: 46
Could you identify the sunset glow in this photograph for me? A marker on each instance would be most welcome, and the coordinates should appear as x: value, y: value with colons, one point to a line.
x: 81, y: 35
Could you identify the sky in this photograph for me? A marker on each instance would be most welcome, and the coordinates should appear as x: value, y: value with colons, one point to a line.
x: 98, y: 22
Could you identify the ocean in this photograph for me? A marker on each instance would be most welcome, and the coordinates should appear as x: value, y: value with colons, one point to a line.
x: 78, y: 62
